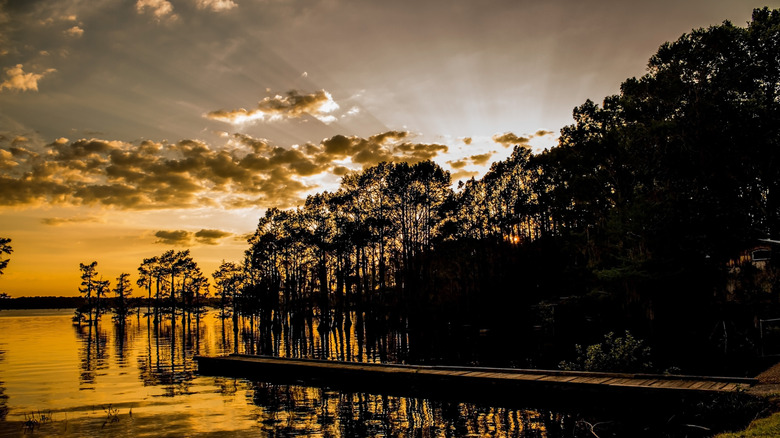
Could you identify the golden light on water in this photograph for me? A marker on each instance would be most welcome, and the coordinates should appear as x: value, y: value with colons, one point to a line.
x: 147, y: 377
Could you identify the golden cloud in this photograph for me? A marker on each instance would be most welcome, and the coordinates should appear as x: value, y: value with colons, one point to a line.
x: 56, y: 221
x: 21, y: 81
x: 481, y: 159
x: 189, y: 173
x: 160, y: 9
x: 74, y: 32
x: 388, y: 146
x: 458, y: 164
x: 293, y: 105
x: 509, y: 139
x: 464, y: 174
x: 217, y: 5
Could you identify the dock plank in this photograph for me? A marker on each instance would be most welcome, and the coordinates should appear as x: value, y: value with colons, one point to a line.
x: 454, y: 377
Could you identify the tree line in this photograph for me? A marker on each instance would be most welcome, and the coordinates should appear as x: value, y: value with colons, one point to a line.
x: 638, y: 211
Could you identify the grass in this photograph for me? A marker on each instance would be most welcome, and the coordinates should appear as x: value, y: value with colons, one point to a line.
x: 763, y: 427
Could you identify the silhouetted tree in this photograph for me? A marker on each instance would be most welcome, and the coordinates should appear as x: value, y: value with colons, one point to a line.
x: 122, y: 291
x: 87, y: 288
x: 5, y: 248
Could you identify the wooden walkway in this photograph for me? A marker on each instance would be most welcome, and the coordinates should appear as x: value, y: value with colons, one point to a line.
x: 471, y: 382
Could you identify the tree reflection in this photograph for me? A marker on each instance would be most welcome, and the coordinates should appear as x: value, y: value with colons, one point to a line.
x: 3, y: 397
x: 168, y: 361
x: 92, y: 353
x: 302, y: 411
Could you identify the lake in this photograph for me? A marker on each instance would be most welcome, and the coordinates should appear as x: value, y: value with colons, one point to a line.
x: 139, y: 379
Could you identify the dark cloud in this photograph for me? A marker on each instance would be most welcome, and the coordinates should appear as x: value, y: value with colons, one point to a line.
x: 340, y: 170
x: 56, y: 221
x: 211, y: 237
x: 177, y: 237
x: 187, y: 238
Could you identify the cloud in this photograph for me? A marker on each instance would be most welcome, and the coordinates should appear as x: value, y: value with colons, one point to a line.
x: 293, y: 105
x: 21, y: 81
x: 211, y: 237
x: 188, y: 238
x: 56, y: 221
x: 75, y: 32
x: 463, y: 174
x: 242, y: 237
x: 176, y: 237
x: 217, y: 5
x: 160, y: 9
x: 246, y: 172
x: 19, y: 139
x: 458, y: 164
x: 481, y: 159
x: 388, y: 146
x: 509, y: 139
x: 7, y: 160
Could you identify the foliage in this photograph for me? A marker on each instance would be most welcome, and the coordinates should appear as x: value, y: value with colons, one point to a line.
x: 615, y: 354
x: 763, y: 427
x: 734, y: 410
x: 176, y: 278
x: 122, y: 291
x: 5, y: 248
x: 229, y: 279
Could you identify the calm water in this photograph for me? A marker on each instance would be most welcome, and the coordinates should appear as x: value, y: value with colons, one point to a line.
x: 141, y: 380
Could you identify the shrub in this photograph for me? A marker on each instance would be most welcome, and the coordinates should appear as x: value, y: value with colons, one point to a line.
x: 625, y: 354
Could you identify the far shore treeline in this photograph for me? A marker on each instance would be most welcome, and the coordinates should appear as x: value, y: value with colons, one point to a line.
x: 642, y: 218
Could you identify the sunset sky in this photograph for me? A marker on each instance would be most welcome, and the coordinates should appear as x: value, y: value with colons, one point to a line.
x: 131, y: 127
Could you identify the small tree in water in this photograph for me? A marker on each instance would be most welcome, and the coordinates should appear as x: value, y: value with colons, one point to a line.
x: 122, y: 291
x: 616, y: 354
x: 87, y: 288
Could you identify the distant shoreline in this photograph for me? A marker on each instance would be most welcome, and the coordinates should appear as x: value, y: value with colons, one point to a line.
x: 41, y: 303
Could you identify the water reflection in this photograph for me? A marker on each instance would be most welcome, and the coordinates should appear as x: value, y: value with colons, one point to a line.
x: 92, y: 353
x: 144, y: 370
x: 302, y: 411
x: 346, y: 336
x: 3, y: 397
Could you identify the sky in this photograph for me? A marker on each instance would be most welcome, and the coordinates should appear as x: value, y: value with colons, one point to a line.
x: 130, y: 127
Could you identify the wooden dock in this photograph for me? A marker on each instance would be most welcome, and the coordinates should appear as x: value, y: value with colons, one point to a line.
x: 475, y: 383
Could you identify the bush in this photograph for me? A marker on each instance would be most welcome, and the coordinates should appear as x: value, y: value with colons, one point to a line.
x: 616, y: 354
